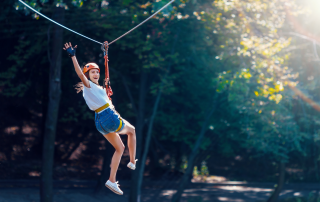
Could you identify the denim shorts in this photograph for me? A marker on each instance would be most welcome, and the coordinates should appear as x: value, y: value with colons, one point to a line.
x: 108, y: 121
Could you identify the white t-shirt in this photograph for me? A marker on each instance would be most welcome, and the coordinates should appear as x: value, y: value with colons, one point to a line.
x: 95, y: 96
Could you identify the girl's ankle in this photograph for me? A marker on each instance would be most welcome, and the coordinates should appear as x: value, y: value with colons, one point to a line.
x: 113, y: 181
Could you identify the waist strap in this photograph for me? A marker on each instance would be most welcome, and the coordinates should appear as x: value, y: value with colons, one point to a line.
x: 102, y: 108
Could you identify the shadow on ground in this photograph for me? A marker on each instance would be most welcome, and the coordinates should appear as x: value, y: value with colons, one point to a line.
x: 196, y: 192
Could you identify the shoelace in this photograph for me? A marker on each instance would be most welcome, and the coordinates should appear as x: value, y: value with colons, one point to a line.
x: 117, y: 184
x: 134, y: 162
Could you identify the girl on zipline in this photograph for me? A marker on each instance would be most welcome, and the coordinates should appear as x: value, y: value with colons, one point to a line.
x: 107, y: 120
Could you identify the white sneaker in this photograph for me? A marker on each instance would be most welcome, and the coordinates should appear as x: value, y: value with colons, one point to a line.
x: 114, y: 187
x: 131, y: 165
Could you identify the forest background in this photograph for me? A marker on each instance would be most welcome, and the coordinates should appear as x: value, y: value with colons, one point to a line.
x: 214, y: 88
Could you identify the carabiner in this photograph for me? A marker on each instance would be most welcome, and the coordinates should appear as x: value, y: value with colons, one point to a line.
x: 104, y: 47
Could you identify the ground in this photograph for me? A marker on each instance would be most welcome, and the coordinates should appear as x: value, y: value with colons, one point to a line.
x: 157, y: 191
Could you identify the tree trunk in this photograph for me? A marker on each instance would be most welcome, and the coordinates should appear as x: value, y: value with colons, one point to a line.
x: 147, y: 141
x: 276, y: 192
x: 46, y: 186
x: 185, y: 179
x: 138, y: 176
x: 134, y: 192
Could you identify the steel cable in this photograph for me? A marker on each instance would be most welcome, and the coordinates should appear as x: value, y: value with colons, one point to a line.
x: 141, y: 23
x: 58, y: 23
x: 88, y: 37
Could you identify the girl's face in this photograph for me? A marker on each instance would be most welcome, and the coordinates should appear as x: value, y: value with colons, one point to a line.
x: 94, y: 75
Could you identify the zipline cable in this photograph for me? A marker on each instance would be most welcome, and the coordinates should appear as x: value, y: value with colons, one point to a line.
x: 88, y: 37
x: 141, y: 23
x: 58, y: 23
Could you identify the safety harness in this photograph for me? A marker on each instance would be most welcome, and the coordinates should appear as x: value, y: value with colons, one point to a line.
x: 104, y: 48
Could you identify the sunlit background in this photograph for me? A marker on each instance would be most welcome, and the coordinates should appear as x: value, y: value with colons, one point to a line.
x: 224, y: 96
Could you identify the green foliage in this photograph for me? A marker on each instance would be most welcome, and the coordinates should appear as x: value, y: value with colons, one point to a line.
x: 16, y: 87
x: 184, y: 163
x: 256, y: 87
x: 204, y: 169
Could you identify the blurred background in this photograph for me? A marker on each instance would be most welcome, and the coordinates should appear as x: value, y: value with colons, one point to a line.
x: 224, y: 96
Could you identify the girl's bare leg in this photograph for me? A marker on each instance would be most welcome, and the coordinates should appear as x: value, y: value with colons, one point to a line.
x: 131, y: 132
x: 117, y: 143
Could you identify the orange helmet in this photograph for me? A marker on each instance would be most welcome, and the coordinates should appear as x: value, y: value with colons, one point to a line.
x: 89, y: 66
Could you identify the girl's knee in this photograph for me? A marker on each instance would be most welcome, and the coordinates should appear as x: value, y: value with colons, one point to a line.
x: 121, y: 148
x: 132, y: 130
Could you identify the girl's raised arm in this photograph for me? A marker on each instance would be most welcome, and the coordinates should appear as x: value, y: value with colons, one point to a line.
x: 72, y: 53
